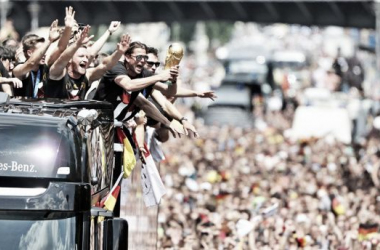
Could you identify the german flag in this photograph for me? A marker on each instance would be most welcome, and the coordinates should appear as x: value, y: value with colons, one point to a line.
x: 129, y: 160
x: 367, y: 231
x: 109, y: 201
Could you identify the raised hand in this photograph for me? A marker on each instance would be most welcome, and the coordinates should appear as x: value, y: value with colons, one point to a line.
x: 69, y: 18
x: 124, y: 43
x: 207, y: 94
x: 172, y: 130
x: 113, y: 26
x: 188, y: 127
x: 54, y: 32
x: 83, y: 36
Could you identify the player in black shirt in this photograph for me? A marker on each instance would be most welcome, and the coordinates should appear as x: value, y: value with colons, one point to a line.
x: 129, y: 81
x: 34, y: 71
x: 108, y: 90
x: 69, y: 76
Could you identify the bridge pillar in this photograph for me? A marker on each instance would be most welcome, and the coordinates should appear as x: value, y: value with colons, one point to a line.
x: 34, y: 9
x: 4, y: 6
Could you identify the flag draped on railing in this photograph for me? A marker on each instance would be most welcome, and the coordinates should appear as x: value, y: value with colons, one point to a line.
x: 153, y: 188
x: 129, y: 160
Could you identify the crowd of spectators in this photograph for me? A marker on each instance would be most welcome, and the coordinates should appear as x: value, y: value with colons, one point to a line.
x: 260, y: 189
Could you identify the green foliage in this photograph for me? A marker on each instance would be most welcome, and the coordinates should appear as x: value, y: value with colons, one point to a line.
x: 219, y: 31
x: 185, y: 31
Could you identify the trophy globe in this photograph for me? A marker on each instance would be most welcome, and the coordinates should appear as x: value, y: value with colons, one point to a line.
x: 174, y: 55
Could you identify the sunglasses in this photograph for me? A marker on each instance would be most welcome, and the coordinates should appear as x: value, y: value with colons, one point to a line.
x: 81, y: 26
x: 141, y: 57
x: 150, y: 64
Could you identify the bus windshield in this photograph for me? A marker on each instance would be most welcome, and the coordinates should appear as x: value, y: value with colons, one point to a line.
x: 38, y: 234
x: 34, y: 151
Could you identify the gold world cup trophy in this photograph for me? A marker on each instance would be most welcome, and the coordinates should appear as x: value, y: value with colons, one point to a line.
x: 173, y: 58
x: 174, y: 55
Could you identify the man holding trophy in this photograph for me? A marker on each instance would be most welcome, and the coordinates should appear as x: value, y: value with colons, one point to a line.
x: 157, y: 97
x: 173, y: 58
x: 131, y: 83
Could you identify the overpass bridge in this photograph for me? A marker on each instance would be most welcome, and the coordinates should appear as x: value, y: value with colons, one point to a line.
x: 358, y: 13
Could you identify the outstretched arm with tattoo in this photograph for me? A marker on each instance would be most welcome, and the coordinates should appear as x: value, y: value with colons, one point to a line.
x: 171, y: 110
x: 154, y: 113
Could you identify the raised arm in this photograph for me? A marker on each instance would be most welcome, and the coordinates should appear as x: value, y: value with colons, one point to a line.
x: 129, y: 84
x: 21, y: 71
x: 58, y: 69
x: 171, y: 110
x: 64, y: 40
x: 182, y: 92
x: 139, y: 133
x: 110, y: 61
x: 167, y: 106
x: 154, y: 113
x: 97, y: 46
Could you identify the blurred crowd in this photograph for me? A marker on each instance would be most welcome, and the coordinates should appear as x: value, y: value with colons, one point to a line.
x: 260, y: 189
